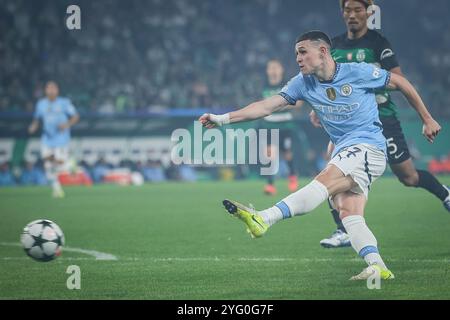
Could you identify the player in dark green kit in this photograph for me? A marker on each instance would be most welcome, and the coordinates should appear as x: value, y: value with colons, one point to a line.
x: 360, y: 44
x: 283, y: 121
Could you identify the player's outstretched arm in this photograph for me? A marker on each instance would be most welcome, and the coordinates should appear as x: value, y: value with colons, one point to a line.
x: 430, y: 127
x: 253, y: 111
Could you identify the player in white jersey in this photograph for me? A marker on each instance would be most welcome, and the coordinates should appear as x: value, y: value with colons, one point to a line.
x: 58, y: 115
x: 343, y: 97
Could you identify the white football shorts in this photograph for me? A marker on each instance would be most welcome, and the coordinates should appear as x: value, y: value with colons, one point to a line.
x: 59, y: 153
x: 364, y: 163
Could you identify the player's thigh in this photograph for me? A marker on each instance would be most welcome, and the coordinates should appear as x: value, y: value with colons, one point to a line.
x: 349, y: 203
x: 47, y: 153
x: 334, y: 180
x: 61, y: 154
x: 405, y: 171
x: 362, y: 164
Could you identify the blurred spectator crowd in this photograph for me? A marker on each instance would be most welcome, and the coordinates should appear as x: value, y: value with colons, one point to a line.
x: 32, y: 174
x: 135, y: 55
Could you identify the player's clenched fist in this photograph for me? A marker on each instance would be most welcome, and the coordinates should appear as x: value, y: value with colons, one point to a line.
x: 431, y: 129
x: 209, y: 120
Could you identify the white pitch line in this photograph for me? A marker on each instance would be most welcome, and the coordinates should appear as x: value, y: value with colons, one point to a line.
x: 109, y: 257
x: 273, y: 259
x: 175, y: 259
x: 59, y: 258
x: 96, y: 254
x: 266, y: 259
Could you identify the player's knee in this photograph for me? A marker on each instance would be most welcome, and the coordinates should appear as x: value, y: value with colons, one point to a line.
x: 410, y: 180
x: 344, y: 212
x: 344, y: 209
x: 349, y: 209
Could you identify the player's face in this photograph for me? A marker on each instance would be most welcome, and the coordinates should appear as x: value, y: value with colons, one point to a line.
x: 274, y: 71
x: 355, y: 16
x: 51, y: 90
x: 309, y: 56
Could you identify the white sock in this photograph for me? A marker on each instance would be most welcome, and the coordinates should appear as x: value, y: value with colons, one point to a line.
x: 300, y: 202
x: 271, y: 215
x: 56, y: 185
x: 363, y: 240
x: 49, y: 171
x: 52, y: 174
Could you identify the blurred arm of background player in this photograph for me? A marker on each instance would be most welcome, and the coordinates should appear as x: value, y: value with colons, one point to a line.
x: 73, y: 120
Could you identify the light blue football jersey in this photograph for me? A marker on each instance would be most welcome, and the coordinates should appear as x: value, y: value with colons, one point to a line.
x: 345, y: 105
x: 53, y: 114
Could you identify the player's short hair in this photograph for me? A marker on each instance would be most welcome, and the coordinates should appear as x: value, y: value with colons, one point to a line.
x: 366, y: 3
x: 274, y: 60
x: 314, y: 35
x: 53, y: 82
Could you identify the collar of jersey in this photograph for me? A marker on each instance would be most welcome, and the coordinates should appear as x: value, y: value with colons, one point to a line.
x: 338, y: 67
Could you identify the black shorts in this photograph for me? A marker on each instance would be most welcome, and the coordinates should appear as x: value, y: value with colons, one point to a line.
x: 285, y: 142
x: 397, y: 148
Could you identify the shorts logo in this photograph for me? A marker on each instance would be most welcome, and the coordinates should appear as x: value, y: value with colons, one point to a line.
x: 361, y: 55
x: 399, y: 155
x: 331, y: 93
x: 346, y: 90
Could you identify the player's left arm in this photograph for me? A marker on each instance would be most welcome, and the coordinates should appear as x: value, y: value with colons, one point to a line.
x: 74, y: 117
x: 34, y: 125
x: 430, y: 126
x: 72, y: 121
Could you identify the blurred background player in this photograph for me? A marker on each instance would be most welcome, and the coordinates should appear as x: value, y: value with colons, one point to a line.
x: 57, y: 115
x: 359, y: 44
x: 283, y: 121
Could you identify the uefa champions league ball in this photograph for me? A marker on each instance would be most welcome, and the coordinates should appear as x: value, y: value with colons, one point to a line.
x: 42, y: 240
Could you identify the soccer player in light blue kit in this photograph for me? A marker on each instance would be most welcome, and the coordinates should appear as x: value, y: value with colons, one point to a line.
x: 57, y: 115
x: 343, y: 97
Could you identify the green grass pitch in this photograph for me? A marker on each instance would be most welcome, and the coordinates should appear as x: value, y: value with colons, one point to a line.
x: 174, y: 241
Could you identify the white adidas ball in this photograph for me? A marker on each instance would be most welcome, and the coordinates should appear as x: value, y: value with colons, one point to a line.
x: 42, y: 240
